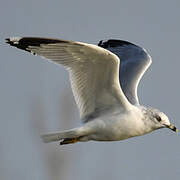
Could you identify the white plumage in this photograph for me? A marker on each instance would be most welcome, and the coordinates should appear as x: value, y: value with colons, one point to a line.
x: 105, y: 90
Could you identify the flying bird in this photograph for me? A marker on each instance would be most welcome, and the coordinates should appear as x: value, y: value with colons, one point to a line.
x: 104, y: 80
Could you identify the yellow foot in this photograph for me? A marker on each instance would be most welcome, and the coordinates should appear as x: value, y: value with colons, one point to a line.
x: 69, y: 141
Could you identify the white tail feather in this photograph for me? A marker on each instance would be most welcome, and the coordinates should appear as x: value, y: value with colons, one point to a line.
x: 57, y: 136
x: 51, y: 137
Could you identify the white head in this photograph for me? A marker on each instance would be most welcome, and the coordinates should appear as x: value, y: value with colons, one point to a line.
x: 161, y: 120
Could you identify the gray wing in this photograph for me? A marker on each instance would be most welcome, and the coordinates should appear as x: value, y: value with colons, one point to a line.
x: 134, y: 62
x: 94, y: 71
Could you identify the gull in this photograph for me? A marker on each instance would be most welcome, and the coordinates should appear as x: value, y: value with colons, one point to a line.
x: 104, y: 80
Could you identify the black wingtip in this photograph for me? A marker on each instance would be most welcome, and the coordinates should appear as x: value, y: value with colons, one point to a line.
x: 7, y: 40
x: 114, y: 43
x: 24, y: 42
x: 13, y: 40
x: 17, y: 42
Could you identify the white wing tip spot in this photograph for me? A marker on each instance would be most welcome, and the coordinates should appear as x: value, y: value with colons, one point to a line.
x: 33, y: 53
x: 15, y: 40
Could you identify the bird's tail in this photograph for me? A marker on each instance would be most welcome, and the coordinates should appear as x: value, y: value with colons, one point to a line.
x: 50, y: 137
x: 66, y: 137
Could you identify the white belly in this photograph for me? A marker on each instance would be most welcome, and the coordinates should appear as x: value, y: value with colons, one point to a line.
x: 118, y: 126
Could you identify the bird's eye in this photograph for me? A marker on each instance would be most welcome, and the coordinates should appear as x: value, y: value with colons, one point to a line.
x: 158, y: 118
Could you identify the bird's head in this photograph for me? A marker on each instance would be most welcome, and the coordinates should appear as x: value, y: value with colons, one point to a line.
x: 162, y: 121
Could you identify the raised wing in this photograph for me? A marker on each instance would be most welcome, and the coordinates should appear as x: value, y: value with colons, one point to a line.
x: 134, y: 62
x: 94, y: 71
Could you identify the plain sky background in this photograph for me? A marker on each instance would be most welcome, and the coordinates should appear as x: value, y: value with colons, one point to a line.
x: 35, y: 95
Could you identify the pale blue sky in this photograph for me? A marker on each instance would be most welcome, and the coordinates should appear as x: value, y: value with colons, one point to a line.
x: 35, y: 95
